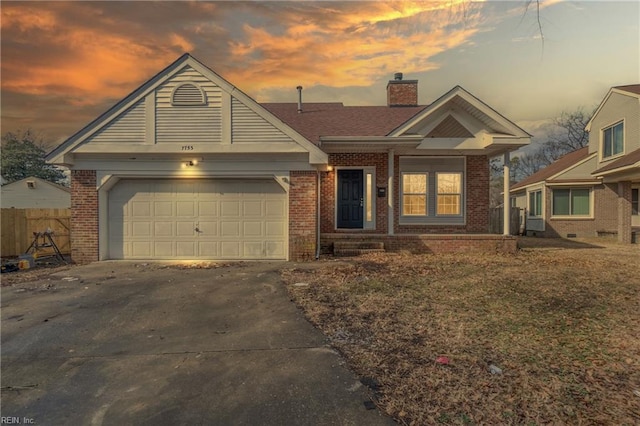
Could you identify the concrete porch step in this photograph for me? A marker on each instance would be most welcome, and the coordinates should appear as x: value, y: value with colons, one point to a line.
x: 356, y: 248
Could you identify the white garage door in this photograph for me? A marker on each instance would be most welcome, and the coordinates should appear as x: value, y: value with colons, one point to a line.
x: 197, y: 219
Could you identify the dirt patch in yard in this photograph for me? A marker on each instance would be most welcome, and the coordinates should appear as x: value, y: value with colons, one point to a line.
x: 560, y: 324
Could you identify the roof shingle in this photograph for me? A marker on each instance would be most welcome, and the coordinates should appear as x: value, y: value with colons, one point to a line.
x: 335, y: 119
x: 624, y: 161
x: 554, y: 168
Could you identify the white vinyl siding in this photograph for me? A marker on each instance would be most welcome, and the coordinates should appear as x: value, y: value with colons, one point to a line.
x: 617, y: 108
x: 247, y: 126
x: 198, y: 219
x: 184, y: 122
x: 128, y: 127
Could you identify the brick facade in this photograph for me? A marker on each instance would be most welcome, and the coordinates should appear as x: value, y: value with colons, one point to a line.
x: 84, y: 216
x: 624, y: 212
x: 302, y: 215
x: 433, y: 244
x: 604, y: 222
x: 328, y: 189
x: 402, y: 93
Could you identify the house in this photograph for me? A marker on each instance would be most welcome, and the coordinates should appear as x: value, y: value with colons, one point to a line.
x: 35, y: 193
x: 188, y: 166
x: 592, y: 191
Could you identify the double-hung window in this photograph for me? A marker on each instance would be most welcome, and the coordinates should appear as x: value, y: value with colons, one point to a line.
x: 535, y: 203
x: 449, y: 200
x: 432, y: 190
x: 414, y: 194
x: 572, y: 202
x: 613, y: 140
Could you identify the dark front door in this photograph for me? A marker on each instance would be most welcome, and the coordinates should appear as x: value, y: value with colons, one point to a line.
x: 350, y: 198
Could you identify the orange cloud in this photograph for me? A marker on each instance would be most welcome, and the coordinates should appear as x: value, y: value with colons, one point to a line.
x: 95, y: 63
x: 354, y: 48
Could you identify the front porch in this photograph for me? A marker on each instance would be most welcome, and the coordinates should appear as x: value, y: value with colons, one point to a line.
x: 425, y: 243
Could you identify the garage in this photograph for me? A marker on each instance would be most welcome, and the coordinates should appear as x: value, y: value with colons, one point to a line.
x: 198, y: 219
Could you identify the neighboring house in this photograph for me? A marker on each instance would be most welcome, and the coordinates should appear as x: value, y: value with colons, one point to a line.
x: 592, y: 191
x: 188, y: 166
x: 34, y: 193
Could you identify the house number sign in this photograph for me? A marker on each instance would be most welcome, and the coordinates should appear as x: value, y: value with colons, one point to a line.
x: 187, y: 147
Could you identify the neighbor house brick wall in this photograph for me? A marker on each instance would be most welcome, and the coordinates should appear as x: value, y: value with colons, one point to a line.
x: 477, y: 201
x: 328, y: 190
x: 603, y: 223
x: 84, y: 216
x: 624, y: 212
x: 302, y: 215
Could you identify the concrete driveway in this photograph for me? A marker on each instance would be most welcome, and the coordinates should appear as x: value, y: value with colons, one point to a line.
x: 118, y: 343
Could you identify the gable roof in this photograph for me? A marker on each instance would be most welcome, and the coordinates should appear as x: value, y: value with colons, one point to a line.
x: 334, y: 119
x: 629, y: 160
x: 39, y: 181
x: 631, y: 88
x: 316, y: 156
x: 471, y: 104
x: 627, y: 90
x: 561, y: 164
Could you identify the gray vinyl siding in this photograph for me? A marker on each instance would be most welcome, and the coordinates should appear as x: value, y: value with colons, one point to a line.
x: 128, y: 127
x: 583, y: 171
x: 617, y: 108
x: 247, y: 126
x: 188, y: 123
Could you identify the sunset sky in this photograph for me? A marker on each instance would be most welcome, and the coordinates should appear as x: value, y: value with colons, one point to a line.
x: 64, y: 63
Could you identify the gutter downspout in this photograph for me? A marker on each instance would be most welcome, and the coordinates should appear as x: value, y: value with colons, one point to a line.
x: 318, y: 215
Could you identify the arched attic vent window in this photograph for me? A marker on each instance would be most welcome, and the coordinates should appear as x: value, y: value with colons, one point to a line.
x: 188, y: 94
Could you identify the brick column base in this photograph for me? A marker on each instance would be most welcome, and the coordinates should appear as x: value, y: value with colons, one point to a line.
x: 302, y: 216
x: 84, y: 216
x: 624, y: 212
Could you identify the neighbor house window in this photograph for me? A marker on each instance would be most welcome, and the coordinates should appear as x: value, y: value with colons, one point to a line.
x: 414, y: 194
x: 613, y: 140
x: 571, y: 202
x: 635, y: 203
x: 535, y: 203
x: 449, y: 198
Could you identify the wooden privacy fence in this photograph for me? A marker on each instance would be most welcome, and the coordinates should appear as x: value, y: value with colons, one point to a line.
x: 496, y: 224
x: 18, y: 226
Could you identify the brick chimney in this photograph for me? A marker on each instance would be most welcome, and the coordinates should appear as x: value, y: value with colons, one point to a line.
x: 402, y: 92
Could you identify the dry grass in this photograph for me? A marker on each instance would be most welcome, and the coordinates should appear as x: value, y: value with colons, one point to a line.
x: 562, y: 323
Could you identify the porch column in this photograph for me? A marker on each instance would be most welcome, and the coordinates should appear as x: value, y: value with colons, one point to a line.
x: 390, y: 212
x: 506, y: 220
x: 624, y: 212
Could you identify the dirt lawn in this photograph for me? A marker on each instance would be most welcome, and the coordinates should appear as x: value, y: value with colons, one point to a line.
x: 560, y: 320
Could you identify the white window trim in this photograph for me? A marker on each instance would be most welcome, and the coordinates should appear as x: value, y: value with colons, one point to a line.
x: 590, y: 216
x: 459, y: 194
x: 406, y: 220
x: 542, y: 202
x: 624, y: 145
x: 426, y: 194
x: 366, y: 225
